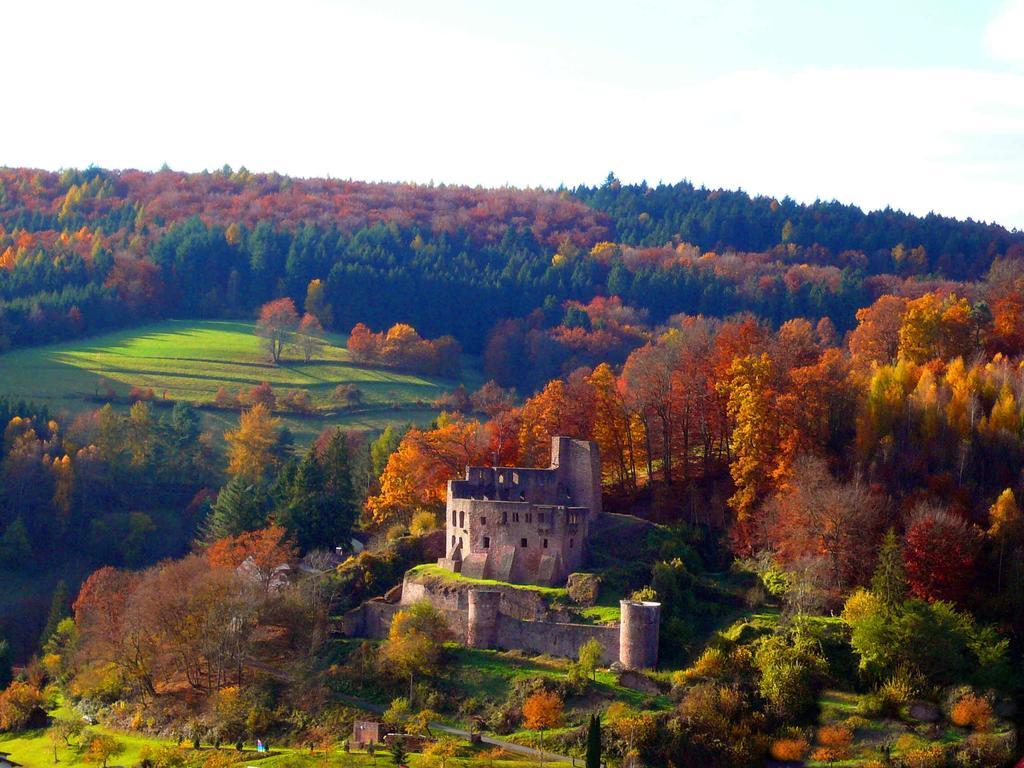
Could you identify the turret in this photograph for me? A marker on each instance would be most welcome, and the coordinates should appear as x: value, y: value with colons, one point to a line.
x: 482, y: 618
x: 638, y: 633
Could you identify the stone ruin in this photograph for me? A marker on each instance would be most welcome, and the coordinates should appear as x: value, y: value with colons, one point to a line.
x: 520, y: 526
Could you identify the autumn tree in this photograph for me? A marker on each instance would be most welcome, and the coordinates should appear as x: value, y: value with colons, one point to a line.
x: 277, y: 322
x: 416, y: 474
x: 310, y: 335
x: 813, y: 515
x: 250, y: 447
x: 755, y: 431
x: 1006, y: 526
x: 542, y: 710
x: 415, y: 642
x: 877, y: 335
x: 99, y: 748
x: 939, y: 552
x: 316, y: 303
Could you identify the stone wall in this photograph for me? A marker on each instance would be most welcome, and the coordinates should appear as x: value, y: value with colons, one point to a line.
x: 555, y: 639
x: 507, y: 618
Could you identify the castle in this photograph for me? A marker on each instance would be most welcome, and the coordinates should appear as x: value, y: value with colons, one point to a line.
x: 520, y: 526
x: 526, y: 526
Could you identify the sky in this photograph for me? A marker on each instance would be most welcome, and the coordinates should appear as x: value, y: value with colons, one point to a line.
x: 916, y: 104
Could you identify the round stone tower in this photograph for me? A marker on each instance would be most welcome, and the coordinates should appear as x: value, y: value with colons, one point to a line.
x: 482, y: 618
x: 638, y: 633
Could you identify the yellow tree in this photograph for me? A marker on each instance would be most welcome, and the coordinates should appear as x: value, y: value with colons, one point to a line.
x: 755, y: 431
x: 415, y: 642
x: 1006, y: 525
x: 611, y: 428
x: 250, y: 447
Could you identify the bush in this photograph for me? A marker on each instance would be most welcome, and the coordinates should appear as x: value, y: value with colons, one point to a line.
x: 930, y: 757
x: 711, y: 663
x: 349, y: 394
x: 983, y: 750
x: 396, y: 531
x: 17, y: 704
x: 789, y: 750
x: 423, y: 521
x: 971, y: 712
x: 898, y: 690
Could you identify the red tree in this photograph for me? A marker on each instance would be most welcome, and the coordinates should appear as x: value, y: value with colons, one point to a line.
x: 939, y: 553
x: 277, y: 322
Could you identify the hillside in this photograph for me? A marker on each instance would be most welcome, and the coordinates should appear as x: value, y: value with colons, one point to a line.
x: 191, y: 359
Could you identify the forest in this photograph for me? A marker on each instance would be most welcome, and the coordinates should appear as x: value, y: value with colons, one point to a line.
x: 820, y: 411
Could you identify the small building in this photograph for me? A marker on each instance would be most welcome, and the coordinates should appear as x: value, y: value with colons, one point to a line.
x: 367, y: 732
x: 524, y: 525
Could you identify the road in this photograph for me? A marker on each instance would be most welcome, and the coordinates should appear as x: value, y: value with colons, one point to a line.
x: 520, y: 749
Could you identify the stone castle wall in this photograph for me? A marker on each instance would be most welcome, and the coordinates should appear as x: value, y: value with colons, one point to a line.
x: 506, y: 618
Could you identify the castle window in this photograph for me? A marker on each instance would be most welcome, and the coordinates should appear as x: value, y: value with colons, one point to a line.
x: 453, y: 541
x: 522, y: 543
x: 501, y: 478
x: 522, y: 497
x: 540, y: 517
x: 515, y: 478
x: 462, y: 518
x: 570, y: 543
x: 504, y: 518
x: 487, y: 542
x: 453, y: 517
x: 483, y: 521
x: 545, y: 543
x: 529, y: 517
x: 515, y: 517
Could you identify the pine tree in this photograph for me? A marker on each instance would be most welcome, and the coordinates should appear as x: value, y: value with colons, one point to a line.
x: 398, y: 753
x: 15, y: 547
x: 594, y: 742
x: 58, y: 611
x: 241, y: 506
x: 889, y: 582
x: 6, y: 673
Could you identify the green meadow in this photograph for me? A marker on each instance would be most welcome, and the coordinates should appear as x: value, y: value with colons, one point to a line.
x: 191, y: 359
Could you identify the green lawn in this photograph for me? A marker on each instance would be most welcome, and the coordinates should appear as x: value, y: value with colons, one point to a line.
x: 190, y: 359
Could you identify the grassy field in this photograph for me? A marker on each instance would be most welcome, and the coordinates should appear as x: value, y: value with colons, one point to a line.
x: 190, y: 359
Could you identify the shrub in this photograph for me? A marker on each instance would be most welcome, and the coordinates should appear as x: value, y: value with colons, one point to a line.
x: 834, y: 743
x: 423, y: 521
x: 980, y: 750
x: 349, y: 394
x: 225, y: 399
x: 871, y: 706
x: 789, y: 750
x: 17, y: 704
x: 711, y: 663
x: 297, y: 400
x: 898, y: 690
x: 971, y: 712
x: 396, y: 531
x: 930, y: 757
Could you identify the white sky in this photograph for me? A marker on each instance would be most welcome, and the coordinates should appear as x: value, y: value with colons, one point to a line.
x: 915, y: 104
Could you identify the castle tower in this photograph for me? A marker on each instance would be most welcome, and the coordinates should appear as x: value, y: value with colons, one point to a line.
x: 578, y: 463
x: 482, y: 618
x: 638, y: 633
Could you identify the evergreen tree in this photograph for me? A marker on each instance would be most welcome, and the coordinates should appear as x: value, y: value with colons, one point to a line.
x: 399, y: 755
x: 58, y: 611
x: 338, y: 481
x: 6, y: 673
x: 889, y: 582
x: 315, y: 500
x: 15, y: 548
x: 593, y: 759
x: 240, y: 506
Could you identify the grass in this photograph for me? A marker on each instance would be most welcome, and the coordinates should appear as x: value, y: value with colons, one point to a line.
x: 190, y: 359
